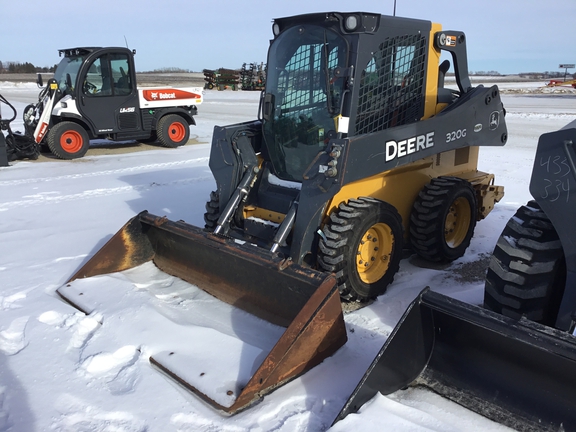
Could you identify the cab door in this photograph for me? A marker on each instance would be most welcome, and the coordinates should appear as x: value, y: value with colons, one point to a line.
x: 108, y: 99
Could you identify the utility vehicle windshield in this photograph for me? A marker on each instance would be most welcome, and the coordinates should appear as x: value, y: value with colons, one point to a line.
x: 303, y: 97
x: 68, y: 66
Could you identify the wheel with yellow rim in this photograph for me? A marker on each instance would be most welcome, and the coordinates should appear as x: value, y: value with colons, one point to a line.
x: 443, y: 219
x: 362, y: 245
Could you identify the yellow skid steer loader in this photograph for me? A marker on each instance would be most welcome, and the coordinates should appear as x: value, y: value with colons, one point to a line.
x: 358, y: 151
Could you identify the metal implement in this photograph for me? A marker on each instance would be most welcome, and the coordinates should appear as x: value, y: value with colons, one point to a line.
x: 304, y: 301
x: 518, y: 373
x: 14, y: 145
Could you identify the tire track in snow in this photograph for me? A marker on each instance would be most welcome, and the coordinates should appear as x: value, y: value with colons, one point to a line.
x: 103, y: 173
x: 76, y: 414
x: 48, y: 198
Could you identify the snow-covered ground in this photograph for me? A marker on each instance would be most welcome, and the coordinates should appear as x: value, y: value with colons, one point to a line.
x: 61, y: 370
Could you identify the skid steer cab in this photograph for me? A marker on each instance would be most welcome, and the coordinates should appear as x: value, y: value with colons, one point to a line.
x: 93, y: 94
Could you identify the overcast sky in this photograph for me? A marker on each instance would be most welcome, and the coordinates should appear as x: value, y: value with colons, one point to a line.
x: 508, y: 36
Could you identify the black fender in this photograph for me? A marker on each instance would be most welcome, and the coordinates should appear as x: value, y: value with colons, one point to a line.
x: 75, y: 118
x: 187, y: 113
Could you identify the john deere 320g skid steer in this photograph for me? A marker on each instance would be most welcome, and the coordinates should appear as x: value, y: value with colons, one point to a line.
x: 358, y: 151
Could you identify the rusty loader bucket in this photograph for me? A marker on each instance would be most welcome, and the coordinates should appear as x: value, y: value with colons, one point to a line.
x: 303, y: 301
x: 518, y: 373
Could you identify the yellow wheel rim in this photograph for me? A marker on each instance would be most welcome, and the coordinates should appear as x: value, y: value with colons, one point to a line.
x: 374, y: 253
x: 457, y: 222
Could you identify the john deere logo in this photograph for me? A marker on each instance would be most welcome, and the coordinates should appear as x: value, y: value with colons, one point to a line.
x: 494, y: 120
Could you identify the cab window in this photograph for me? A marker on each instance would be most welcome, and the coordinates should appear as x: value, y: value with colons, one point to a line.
x: 121, y: 74
x: 98, y: 79
x: 108, y: 75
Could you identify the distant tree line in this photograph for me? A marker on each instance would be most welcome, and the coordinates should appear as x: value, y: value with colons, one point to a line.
x: 486, y: 73
x: 169, y: 70
x: 17, y: 67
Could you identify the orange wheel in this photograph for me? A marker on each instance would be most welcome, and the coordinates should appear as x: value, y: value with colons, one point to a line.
x: 71, y: 141
x: 68, y: 140
x: 172, y: 131
x: 176, y: 131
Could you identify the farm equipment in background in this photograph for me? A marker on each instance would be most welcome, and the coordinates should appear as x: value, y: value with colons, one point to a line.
x: 358, y: 150
x: 14, y: 145
x: 562, y: 83
x: 210, y: 78
x: 513, y: 361
x: 93, y: 94
x: 253, y: 76
x: 221, y: 79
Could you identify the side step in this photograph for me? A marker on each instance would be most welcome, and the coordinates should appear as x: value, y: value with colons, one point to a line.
x: 517, y: 373
x: 304, y: 301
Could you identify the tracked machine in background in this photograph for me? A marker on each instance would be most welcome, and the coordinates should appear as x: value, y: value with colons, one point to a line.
x: 514, y: 360
x: 358, y: 151
x: 93, y: 94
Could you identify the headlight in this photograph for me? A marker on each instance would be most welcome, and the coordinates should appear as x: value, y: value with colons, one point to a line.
x: 351, y: 22
x: 276, y: 29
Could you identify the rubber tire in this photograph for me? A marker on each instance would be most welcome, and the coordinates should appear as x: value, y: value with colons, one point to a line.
x: 63, y: 134
x: 172, y: 131
x: 212, y: 212
x: 527, y: 271
x: 339, y: 247
x: 433, y: 209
